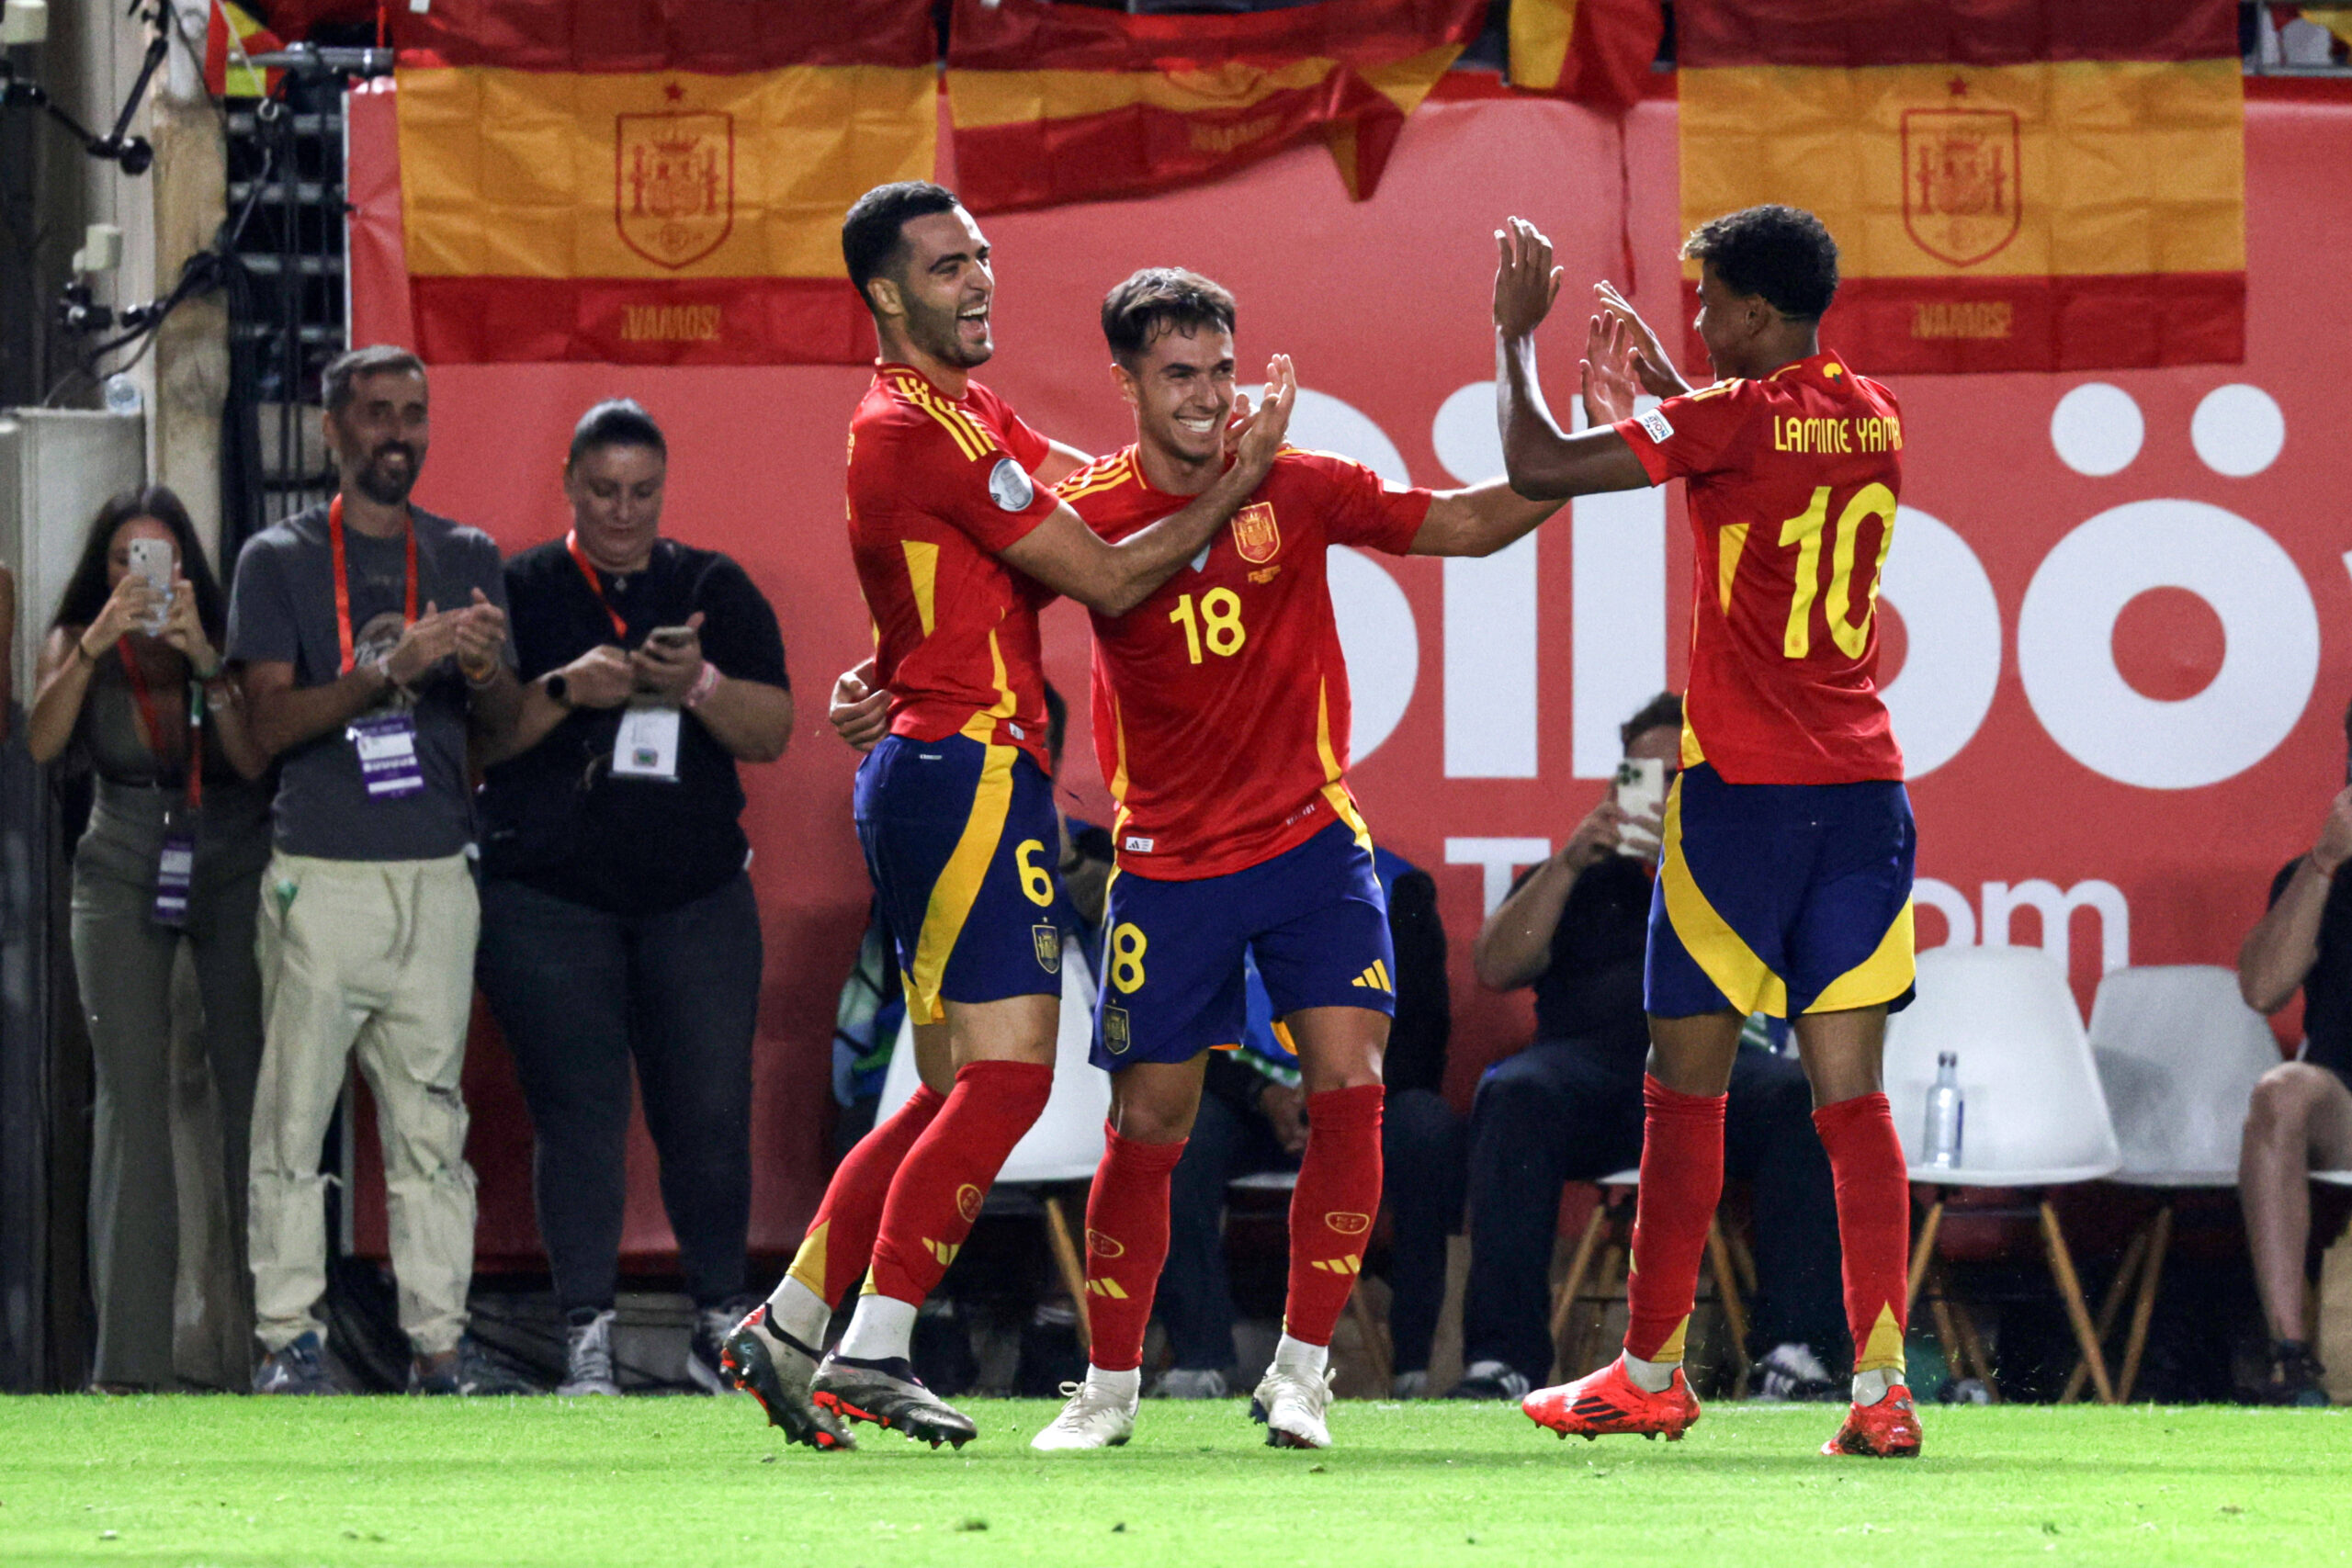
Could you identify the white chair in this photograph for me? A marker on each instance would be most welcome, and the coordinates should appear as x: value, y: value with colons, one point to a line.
x: 1066, y: 1142
x: 2036, y: 1117
x: 2178, y: 1053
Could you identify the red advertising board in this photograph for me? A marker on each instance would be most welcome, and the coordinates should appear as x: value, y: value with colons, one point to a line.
x: 2105, y: 603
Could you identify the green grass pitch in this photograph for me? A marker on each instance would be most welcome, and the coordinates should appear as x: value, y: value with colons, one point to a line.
x: 681, y: 1482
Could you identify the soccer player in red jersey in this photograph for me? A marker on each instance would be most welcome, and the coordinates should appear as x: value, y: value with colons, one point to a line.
x: 1221, y: 723
x: 957, y: 540
x: 1786, y: 880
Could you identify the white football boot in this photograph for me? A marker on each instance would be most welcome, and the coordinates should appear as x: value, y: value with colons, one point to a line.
x: 1095, y: 1417
x: 1292, y: 1405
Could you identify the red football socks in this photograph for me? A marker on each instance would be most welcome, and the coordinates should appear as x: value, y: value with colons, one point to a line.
x: 840, y: 1242
x: 1332, y: 1207
x: 1873, y: 1225
x: 1126, y: 1243
x: 936, y: 1194
x: 1683, y: 1180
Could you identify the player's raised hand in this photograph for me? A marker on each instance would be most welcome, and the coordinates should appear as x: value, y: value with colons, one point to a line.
x: 1257, y: 435
x: 1606, y: 372
x: 1525, y: 280
x: 1651, y: 362
x: 860, y: 712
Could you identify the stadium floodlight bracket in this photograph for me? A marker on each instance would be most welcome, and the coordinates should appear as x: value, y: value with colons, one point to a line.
x: 133, y: 153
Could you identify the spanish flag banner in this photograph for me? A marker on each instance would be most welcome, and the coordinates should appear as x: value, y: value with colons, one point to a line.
x: 2014, y: 184
x: 1069, y: 103
x: 652, y: 181
x: 1591, y: 51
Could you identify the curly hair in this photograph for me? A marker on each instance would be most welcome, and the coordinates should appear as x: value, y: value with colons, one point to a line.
x: 1783, y: 254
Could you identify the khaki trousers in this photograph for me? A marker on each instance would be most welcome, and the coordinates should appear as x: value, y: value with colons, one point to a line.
x: 376, y: 956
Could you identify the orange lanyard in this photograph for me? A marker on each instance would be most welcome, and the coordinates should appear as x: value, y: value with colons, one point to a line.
x: 150, y: 725
x: 580, y: 559
x: 343, y: 581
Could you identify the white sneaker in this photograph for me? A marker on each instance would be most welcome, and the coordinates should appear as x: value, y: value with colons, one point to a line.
x: 1409, y: 1385
x: 588, y: 1357
x: 1292, y: 1408
x: 1095, y: 1417
x: 1190, y: 1382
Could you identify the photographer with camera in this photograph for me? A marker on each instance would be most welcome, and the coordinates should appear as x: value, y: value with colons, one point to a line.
x: 619, y: 922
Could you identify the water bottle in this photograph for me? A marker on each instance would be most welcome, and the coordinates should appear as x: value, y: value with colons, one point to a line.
x: 1944, y: 1112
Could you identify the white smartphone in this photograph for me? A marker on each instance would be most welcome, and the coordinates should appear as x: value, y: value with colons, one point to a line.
x: 1641, y: 792
x: 152, y: 559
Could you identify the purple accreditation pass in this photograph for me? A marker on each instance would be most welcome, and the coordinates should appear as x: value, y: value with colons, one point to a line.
x: 387, y: 745
x: 174, y: 876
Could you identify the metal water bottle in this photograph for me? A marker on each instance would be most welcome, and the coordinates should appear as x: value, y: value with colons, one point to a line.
x: 1944, y: 1112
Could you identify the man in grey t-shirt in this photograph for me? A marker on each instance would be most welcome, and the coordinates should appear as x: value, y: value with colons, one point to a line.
x: 369, y: 636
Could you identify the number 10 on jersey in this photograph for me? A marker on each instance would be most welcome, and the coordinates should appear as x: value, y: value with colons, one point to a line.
x: 1805, y: 531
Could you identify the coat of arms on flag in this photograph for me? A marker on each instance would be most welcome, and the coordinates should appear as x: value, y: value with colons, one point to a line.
x: 1960, y: 200
x: 673, y: 184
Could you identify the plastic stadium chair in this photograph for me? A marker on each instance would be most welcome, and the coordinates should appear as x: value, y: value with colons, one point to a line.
x: 2178, y: 1053
x: 2036, y: 1117
x: 1066, y: 1143
x: 1608, y: 1241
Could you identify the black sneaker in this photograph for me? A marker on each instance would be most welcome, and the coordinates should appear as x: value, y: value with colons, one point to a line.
x: 2292, y: 1377
x: 888, y: 1395
x: 299, y: 1367
x: 1491, y: 1380
x: 776, y: 1369
x: 467, y: 1370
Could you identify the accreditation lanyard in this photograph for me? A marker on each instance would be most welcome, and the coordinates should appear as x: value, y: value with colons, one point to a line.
x: 580, y: 559
x: 151, y: 723
x: 343, y: 581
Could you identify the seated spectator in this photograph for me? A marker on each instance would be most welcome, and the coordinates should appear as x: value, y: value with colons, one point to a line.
x: 371, y: 636
x: 1568, y: 1108
x: 131, y: 689
x: 1253, y: 1118
x: 2300, y: 1117
x: 618, y: 922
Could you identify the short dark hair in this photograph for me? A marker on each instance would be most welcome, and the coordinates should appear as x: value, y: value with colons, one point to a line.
x: 1159, y: 300
x: 616, y: 422
x: 1783, y: 254
x: 337, y: 382
x: 87, y: 591
x: 1661, y: 712
x: 873, y: 231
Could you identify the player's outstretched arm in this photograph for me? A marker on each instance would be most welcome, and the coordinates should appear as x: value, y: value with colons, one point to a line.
x: 1067, y: 556
x: 1478, y: 521
x: 1544, y: 462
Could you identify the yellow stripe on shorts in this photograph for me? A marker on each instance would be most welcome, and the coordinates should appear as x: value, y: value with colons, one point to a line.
x: 958, y: 886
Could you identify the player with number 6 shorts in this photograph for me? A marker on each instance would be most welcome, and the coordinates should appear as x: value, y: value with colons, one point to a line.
x: 1785, y: 886
x: 1220, y: 709
x: 957, y: 540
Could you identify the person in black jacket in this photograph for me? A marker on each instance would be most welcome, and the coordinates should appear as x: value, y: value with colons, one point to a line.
x: 1253, y: 1119
x: 617, y: 916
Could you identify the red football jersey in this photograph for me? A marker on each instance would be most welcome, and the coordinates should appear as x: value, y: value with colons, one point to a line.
x: 1221, y: 701
x: 1792, y: 488
x: 938, y: 487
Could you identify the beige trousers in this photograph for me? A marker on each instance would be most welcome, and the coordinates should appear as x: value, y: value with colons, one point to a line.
x: 376, y: 956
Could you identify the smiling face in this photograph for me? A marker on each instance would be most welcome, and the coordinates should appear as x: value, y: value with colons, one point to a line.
x: 943, y: 291
x: 1181, y: 389
x: 615, y: 495
x: 379, y: 438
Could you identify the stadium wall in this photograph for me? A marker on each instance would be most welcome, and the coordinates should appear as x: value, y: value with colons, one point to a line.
x: 2104, y: 608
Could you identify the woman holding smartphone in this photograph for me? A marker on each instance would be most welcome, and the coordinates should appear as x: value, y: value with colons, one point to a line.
x: 131, y: 687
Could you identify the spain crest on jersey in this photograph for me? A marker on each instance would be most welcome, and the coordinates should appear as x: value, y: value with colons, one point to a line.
x: 674, y: 193
x: 1256, y: 533
x: 1049, y: 947
x: 1961, y: 202
x: 1116, y: 1036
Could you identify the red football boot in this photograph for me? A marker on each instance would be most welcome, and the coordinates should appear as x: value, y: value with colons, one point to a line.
x: 1609, y: 1402
x: 1889, y: 1429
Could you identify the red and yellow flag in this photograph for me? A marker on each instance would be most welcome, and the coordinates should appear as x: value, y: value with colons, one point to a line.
x: 1069, y: 103
x: 1592, y: 51
x: 653, y: 181
x: 2014, y: 184
x: 232, y: 37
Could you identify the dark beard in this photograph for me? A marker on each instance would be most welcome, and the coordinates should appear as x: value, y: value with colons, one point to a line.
x: 381, y: 485
x: 935, y: 334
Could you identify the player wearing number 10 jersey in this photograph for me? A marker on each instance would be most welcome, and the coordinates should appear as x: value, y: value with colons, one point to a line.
x: 1221, y: 723
x: 1786, y: 879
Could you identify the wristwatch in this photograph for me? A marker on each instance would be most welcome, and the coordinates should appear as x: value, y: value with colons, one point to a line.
x: 559, y: 690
